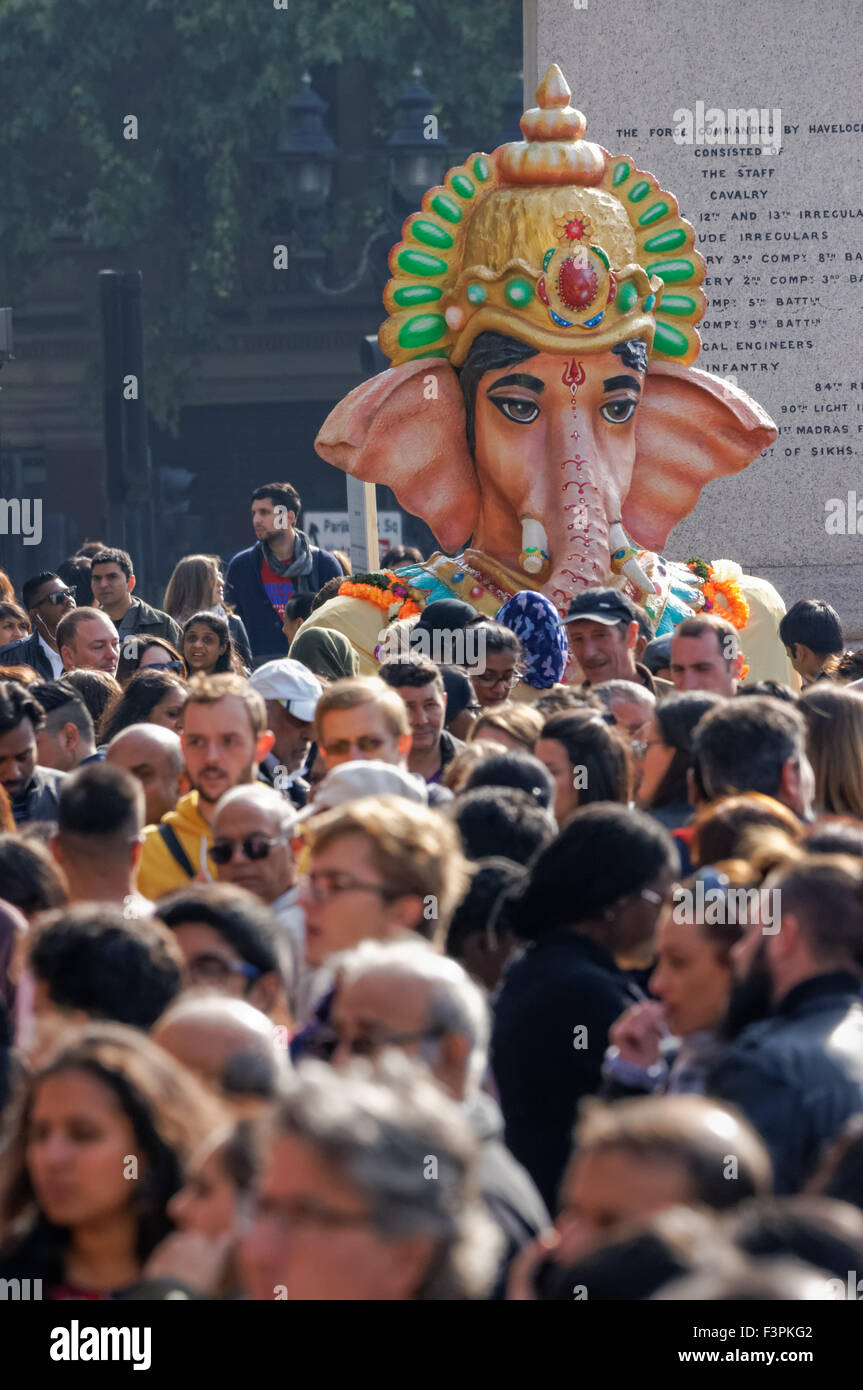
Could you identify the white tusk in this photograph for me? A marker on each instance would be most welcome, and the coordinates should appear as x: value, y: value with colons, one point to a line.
x: 623, y: 559
x: 534, y: 545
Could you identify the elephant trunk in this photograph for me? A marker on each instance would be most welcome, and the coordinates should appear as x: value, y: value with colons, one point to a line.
x: 579, y: 539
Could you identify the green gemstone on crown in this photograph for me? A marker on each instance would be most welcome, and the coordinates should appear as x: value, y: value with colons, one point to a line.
x: 420, y: 263
x: 666, y: 241
x: 462, y: 185
x: 670, y: 340
x: 518, y: 292
x: 671, y: 271
x: 476, y: 294
x: 406, y: 295
x: 639, y: 191
x: 680, y: 305
x: 627, y: 297
x: 621, y: 174
x: 446, y: 207
x: 652, y: 214
x: 430, y: 234
x: 421, y: 330
x: 481, y: 168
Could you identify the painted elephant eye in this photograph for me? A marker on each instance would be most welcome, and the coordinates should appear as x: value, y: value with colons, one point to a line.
x: 618, y: 412
x: 516, y: 408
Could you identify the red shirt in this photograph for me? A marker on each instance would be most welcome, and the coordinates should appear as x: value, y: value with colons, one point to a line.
x: 278, y: 589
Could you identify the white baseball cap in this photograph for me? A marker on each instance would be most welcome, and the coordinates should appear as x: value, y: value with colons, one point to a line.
x: 292, y: 684
x: 365, y: 777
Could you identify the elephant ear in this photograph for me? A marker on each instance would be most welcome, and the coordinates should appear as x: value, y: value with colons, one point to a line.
x: 405, y: 428
x: 691, y: 428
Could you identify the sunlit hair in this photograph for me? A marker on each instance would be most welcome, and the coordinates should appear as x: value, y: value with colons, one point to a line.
x: 729, y: 828
x: 7, y: 588
x: 520, y: 722
x: 192, y: 586
x: 415, y: 851
x: 689, y: 1131
x: 375, y: 1124
x: 834, y: 726
x: 363, y: 690
x: 727, y: 637
x: 458, y: 771
x: 170, y: 1114
x: 208, y: 690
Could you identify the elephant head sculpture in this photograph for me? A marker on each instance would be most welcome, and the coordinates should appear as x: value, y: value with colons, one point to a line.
x: 542, y: 409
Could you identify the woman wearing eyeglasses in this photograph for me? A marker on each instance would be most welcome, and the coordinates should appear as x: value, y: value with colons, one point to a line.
x: 500, y: 665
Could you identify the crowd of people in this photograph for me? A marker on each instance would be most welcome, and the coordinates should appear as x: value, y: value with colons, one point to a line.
x: 330, y: 970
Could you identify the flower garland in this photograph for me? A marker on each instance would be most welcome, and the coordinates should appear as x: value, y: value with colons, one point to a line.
x: 383, y: 589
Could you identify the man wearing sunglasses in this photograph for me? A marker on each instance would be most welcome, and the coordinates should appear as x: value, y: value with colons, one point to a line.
x: 47, y: 600
x: 252, y: 830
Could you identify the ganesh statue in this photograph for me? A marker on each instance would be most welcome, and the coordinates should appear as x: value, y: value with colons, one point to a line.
x: 541, y: 412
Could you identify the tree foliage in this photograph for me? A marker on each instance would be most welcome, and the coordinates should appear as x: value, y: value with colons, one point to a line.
x: 208, y: 83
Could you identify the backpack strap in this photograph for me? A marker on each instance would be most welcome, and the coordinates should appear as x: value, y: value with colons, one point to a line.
x: 170, y: 839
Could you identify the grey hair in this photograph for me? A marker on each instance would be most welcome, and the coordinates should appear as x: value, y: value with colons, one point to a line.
x: 267, y: 799
x: 456, y: 1004
x: 381, y: 1125
x: 612, y: 691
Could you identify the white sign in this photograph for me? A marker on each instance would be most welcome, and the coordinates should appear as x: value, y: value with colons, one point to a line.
x: 328, y: 529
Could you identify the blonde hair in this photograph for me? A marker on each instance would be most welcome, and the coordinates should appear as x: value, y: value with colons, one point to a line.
x: 192, y: 586
x: 520, y: 722
x: 354, y: 691
x: 415, y: 850
x: 463, y: 764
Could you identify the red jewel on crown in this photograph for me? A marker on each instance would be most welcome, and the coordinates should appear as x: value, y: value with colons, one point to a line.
x: 576, y: 283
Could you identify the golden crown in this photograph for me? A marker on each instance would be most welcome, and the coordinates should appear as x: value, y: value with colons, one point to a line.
x: 550, y: 240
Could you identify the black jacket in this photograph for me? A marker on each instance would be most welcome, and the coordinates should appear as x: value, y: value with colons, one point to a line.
x: 542, y: 1066
x: 39, y: 801
x: 798, y: 1075
x: 27, y: 652
x: 506, y: 1187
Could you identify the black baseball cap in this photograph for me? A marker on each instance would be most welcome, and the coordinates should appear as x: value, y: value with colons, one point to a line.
x: 606, y: 606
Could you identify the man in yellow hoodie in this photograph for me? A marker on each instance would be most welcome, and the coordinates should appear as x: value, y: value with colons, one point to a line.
x: 225, y: 737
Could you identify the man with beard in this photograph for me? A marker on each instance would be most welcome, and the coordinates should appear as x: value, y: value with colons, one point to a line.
x: 225, y: 737
x: 32, y: 790
x: 797, y: 1074
x: 280, y: 564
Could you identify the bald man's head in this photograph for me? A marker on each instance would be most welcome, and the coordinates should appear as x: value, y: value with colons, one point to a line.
x: 228, y: 1043
x: 155, y: 756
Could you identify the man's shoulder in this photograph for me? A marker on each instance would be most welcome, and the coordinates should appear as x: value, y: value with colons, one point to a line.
x: 49, y: 777
x: 327, y: 564
x: 242, y: 558
x: 149, y: 616
x: 6, y: 651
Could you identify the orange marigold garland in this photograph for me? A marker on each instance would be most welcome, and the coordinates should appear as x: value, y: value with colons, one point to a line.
x: 734, y: 608
x: 383, y: 589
